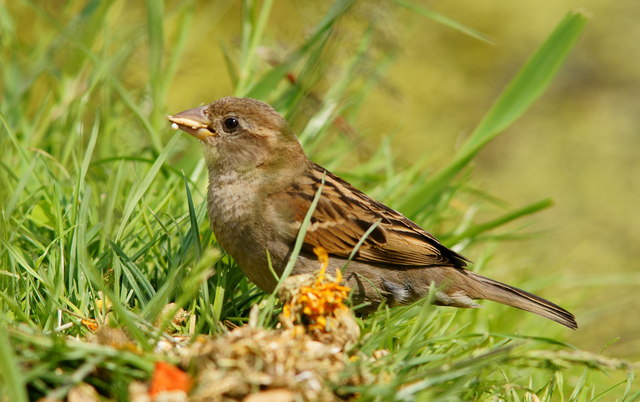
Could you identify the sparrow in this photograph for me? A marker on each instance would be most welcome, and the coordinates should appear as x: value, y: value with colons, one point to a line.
x: 261, y: 186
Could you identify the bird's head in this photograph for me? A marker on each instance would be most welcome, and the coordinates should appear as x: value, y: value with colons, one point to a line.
x: 240, y: 134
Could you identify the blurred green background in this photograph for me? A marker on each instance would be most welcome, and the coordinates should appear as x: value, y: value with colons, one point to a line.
x: 578, y: 145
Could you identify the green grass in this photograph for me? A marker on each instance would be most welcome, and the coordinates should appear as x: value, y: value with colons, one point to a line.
x: 98, y: 206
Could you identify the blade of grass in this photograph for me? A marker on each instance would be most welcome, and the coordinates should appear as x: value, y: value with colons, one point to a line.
x: 448, y: 22
x: 136, y: 278
x: 522, y: 91
x: 10, y: 371
x: 194, y: 233
x: 155, y: 34
x: 476, y: 230
x: 252, y: 33
x: 330, y: 108
x: 262, y: 87
x: 153, y: 307
x: 138, y: 191
x: 184, y: 23
x: 157, y: 80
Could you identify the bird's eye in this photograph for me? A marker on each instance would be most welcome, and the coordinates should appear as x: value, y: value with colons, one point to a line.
x: 231, y: 123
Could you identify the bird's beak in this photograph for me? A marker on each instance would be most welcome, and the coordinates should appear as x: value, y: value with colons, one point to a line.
x: 192, y: 121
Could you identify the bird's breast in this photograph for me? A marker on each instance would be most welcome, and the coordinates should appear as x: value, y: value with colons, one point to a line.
x: 237, y: 219
x: 232, y: 208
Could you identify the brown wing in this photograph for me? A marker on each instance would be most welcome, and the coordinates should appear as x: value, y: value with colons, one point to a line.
x: 344, y: 214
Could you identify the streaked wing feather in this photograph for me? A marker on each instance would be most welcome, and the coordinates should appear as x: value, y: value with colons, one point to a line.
x: 344, y: 214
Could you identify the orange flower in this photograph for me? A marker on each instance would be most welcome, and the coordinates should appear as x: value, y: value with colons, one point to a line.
x: 318, y: 303
x: 92, y: 325
x: 167, y: 377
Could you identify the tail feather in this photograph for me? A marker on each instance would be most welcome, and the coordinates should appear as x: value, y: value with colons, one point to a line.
x: 511, y: 296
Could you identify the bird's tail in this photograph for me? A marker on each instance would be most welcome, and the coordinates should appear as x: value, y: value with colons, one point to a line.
x: 490, y: 289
